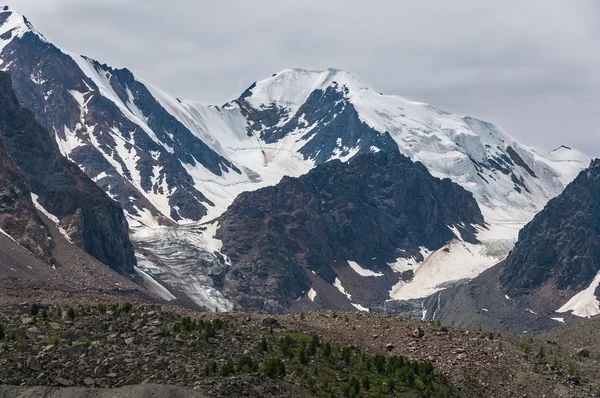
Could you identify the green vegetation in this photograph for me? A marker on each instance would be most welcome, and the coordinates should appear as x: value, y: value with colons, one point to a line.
x: 71, y: 313
x: 54, y: 340
x: 274, y: 368
x: 2, y: 333
x: 573, y: 372
x: 342, y: 371
x: 34, y: 310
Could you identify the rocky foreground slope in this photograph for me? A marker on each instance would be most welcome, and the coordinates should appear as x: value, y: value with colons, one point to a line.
x: 106, y: 345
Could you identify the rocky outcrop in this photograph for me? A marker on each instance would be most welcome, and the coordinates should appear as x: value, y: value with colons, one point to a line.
x: 556, y: 257
x: 92, y: 220
x: 18, y: 216
x: 561, y: 246
x: 371, y: 210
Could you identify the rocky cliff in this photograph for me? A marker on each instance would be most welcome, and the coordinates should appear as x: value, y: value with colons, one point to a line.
x: 90, y: 218
x: 369, y: 211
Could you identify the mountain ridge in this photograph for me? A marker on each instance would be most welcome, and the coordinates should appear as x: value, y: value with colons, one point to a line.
x: 174, y: 164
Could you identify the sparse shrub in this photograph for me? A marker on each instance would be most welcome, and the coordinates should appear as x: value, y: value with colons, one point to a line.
x: 491, y: 336
x: 572, y: 370
x: 346, y: 318
x: 127, y: 307
x: 210, y: 369
x: 274, y: 368
x: 71, y: 313
x: 54, y: 340
x: 302, y: 316
x: 2, y: 333
x: 44, y: 314
x: 85, y: 341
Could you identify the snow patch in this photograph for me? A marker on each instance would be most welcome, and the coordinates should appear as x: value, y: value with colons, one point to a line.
x: 360, y: 307
x: 361, y: 271
x: 312, y: 294
x: 51, y: 216
x: 338, y: 284
x: 584, y: 304
x: 3, y: 232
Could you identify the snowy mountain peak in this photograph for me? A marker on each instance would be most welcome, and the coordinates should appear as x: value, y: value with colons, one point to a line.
x: 12, y: 25
x: 290, y: 88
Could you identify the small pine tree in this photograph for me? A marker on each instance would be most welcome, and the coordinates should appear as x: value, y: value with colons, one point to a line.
x: 303, y: 354
x: 71, y: 313
x: 34, y: 310
x: 44, y: 314
x: 327, y: 350
x: 302, y: 316
x: 274, y: 368
x: 228, y: 368
x: 314, y: 343
x: 541, y: 352
x: 366, y: 383
x: 2, y: 333
x: 263, y: 346
x: 491, y: 336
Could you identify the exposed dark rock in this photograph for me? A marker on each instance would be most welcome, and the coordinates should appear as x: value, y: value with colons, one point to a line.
x: 338, y: 127
x: 47, y: 81
x: 93, y: 220
x: 371, y: 210
x: 561, y: 246
x: 18, y: 216
x: 557, y: 255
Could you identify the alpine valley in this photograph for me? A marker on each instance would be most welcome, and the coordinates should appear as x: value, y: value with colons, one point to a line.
x: 309, y: 191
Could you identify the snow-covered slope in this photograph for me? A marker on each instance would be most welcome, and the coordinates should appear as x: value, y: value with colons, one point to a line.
x: 170, y: 161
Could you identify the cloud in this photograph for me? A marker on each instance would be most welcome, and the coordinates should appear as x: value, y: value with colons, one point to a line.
x: 529, y: 66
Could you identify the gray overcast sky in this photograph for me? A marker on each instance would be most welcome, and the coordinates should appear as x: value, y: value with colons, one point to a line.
x: 533, y: 67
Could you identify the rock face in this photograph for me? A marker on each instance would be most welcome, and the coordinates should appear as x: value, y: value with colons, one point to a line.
x: 561, y: 246
x: 551, y: 276
x: 370, y: 211
x: 18, y: 216
x: 107, y: 122
x: 90, y: 218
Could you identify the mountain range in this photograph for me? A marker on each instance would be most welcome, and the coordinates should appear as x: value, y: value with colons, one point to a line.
x: 309, y: 190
